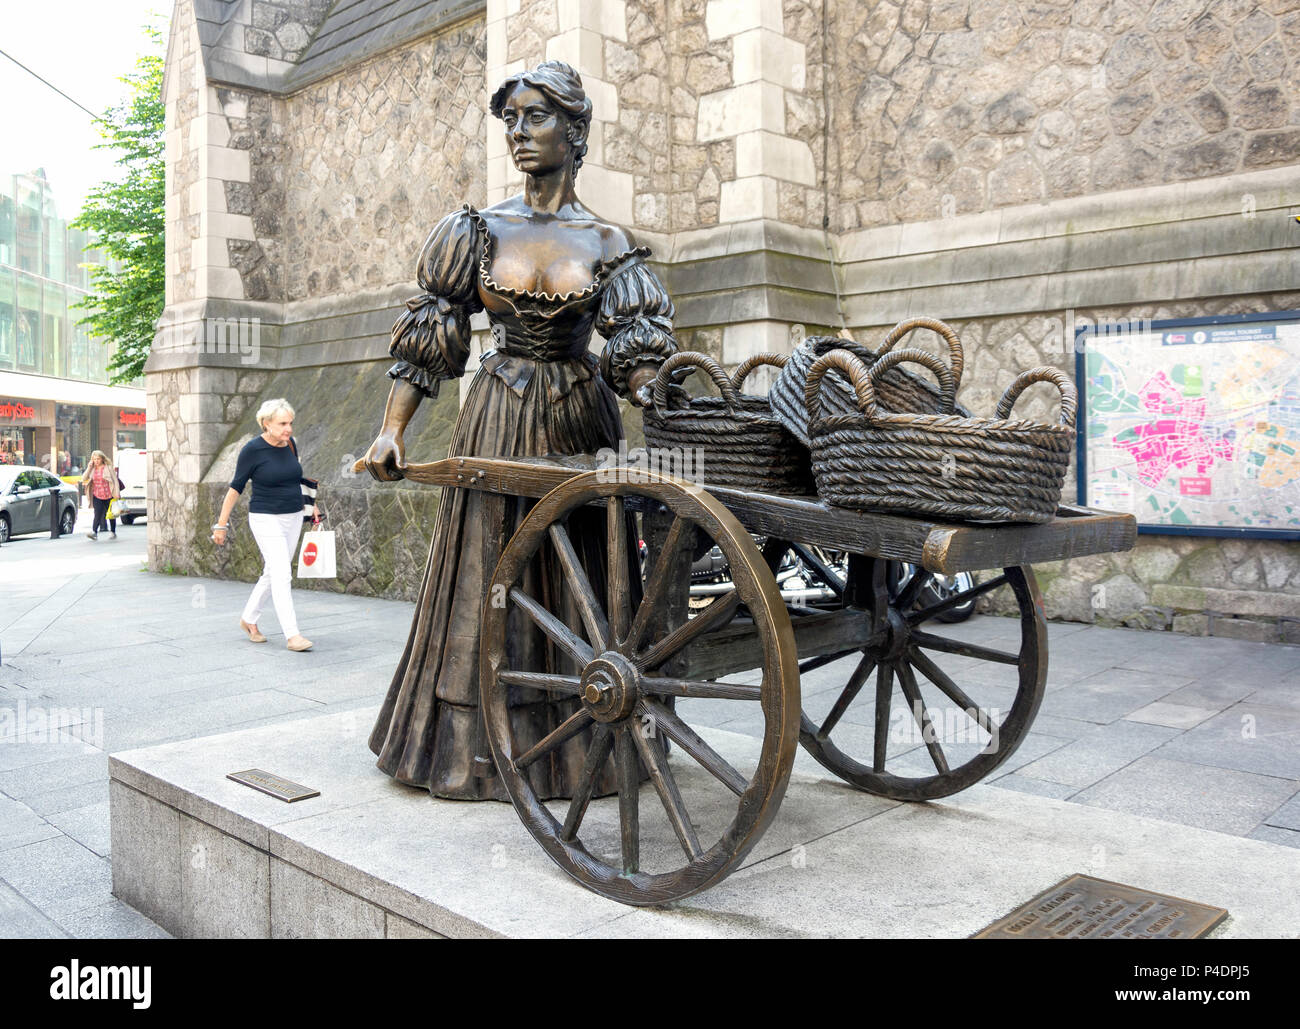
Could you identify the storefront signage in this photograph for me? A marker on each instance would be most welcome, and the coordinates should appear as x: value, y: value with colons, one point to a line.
x: 131, y: 417
x: 15, y: 411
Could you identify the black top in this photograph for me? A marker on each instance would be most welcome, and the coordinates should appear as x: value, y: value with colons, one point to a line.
x: 276, y: 475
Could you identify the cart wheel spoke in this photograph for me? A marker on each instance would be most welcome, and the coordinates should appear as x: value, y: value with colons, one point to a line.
x: 884, y: 697
x: 602, y: 742
x: 657, y: 585
x: 685, y: 737
x: 701, y: 688
x: 913, y: 694
x: 620, y: 591
x: 848, y: 694
x: 559, y: 633
x: 954, y: 692
x: 814, y: 663
x: 715, y: 616
x: 956, y: 600
x: 932, y: 642
x: 656, y: 762
x: 567, y: 729
x: 542, y: 681
x: 580, y: 586
x: 629, y: 783
x: 908, y: 597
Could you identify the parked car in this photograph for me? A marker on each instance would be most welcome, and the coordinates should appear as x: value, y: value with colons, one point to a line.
x: 26, y: 494
x: 133, y: 469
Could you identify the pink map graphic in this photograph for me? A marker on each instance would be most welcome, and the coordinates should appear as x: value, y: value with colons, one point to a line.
x: 1178, y: 440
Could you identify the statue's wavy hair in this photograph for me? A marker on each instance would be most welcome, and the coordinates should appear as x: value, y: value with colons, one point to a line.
x: 562, y: 86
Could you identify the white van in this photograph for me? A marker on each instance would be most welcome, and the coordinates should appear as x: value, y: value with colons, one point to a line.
x: 133, y: 470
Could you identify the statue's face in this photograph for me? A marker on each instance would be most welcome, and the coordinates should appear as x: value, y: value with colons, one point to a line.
x: 537, y: 134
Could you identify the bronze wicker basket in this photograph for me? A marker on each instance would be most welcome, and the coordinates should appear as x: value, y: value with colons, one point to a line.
x: 940, y: 465
x: 742, y: 443
x: 897, y: 390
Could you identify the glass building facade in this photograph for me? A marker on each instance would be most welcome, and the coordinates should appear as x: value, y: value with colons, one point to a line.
x: 41, y: 278
x: 56, y: 404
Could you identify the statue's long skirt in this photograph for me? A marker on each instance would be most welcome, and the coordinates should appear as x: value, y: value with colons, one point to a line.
x: 430, y: 731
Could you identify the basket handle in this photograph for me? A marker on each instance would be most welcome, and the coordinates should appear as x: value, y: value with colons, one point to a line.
x: 856, y: 372
x: 956, y: 358
x: 739, y: 376
x: 1058, y: 378
x: 695, y: 360
x: 947, y: 384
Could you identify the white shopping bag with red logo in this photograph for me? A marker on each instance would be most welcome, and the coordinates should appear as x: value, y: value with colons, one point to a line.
x: 316, y: 558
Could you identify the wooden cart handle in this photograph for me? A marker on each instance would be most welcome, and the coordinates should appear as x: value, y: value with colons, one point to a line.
x: 694, y: 360
x: 956, y: 358
x: 749, y: 364
x: 1058, y: 378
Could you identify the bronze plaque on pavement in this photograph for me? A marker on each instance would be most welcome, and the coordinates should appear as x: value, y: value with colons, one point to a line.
x: 273, y: 785
x: 1084, y: 908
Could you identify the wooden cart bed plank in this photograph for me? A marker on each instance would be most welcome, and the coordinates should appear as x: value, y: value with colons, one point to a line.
x: 944, y: 548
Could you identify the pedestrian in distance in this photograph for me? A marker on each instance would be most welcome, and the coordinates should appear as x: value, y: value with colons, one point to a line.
x: 275, y: 515
x: 101, y: 480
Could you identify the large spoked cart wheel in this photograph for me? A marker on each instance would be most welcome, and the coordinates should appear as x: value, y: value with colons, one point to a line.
x: 925, y: 713
x: 617, y: 660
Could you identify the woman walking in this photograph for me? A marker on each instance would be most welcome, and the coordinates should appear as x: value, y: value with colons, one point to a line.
x: 274, y: 517
x: 101, y: 477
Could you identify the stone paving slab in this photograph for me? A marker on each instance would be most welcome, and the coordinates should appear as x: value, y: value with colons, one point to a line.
x: 1092, y: 757
x: 1287, y: 816
x: 1248, y: 737
x: 58, y: 876
x: 1220, y: 799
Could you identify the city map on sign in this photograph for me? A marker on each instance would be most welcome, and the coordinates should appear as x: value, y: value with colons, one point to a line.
x: 1194, y: 426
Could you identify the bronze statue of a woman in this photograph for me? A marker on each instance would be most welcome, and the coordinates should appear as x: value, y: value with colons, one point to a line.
x: 547, y: 271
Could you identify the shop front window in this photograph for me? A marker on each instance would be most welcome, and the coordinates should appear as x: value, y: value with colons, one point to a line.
x: 76, y: 430
x: 15, y: 445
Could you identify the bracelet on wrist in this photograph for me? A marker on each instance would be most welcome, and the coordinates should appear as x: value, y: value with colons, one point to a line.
x: 222, y: 527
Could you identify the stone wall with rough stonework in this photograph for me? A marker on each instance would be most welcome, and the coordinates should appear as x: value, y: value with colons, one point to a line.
x: 183, y: 88
x: 309, y: 211
x: 372, y: 159
x: 954, y: 106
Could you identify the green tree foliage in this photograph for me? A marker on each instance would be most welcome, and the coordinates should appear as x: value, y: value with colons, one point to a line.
x: 127, y: 219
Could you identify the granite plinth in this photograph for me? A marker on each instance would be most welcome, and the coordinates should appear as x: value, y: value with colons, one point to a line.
x: 204, y: 856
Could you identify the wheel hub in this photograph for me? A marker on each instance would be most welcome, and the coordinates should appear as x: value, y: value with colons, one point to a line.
x: 897, y: 634
x: 610, y: 687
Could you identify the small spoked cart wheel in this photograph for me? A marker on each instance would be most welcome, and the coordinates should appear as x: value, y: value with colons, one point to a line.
x: 943, y: 711
x: 713, y: 813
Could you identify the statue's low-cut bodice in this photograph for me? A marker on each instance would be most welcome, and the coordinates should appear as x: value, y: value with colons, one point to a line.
x: 532, y: 327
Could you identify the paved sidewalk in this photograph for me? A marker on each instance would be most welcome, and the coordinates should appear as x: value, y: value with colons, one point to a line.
x: 1204, y: 732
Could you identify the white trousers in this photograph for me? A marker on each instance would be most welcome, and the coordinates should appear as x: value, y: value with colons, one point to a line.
x: 277, y: 537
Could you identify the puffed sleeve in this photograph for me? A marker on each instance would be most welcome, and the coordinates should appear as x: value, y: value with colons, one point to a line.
x: 430, y: 339
x: 636, y: 319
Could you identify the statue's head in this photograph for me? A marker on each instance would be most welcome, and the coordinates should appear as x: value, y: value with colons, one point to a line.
x: 547, y: 116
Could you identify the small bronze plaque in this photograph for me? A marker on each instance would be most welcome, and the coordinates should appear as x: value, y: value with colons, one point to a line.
x: 1084, y: 908
x: 273, y: 785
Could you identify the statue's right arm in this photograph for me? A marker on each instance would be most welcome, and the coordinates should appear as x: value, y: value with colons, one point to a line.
x: 431, y: 338
x: 386, y: 458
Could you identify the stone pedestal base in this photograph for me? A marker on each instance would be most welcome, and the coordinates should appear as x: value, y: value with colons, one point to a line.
x: 204, y: 856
